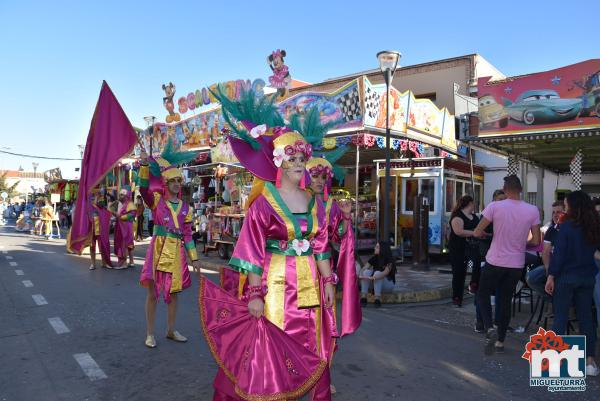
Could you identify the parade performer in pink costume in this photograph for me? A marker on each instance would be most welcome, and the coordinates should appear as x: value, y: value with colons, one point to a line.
x: 124, y: 231
x: 166, y: 268
x: 100, y: 225
x: 282, y: 248
x: 320, y: 173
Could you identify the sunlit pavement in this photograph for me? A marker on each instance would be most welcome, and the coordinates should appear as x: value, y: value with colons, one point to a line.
x: 68, y: 333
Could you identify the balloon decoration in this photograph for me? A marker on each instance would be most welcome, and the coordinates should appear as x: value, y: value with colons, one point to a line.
x: 182, y: 102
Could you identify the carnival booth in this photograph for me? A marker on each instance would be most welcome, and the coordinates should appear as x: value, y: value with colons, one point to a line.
x: 356, y: 113
x: 442, y: 181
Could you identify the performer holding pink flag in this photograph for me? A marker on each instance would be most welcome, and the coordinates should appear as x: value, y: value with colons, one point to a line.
x: 111, y: 137
x: 281, y: 252
x: 125, y: 213
x: 165, y: 268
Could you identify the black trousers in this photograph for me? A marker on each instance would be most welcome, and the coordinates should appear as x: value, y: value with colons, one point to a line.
x: 501, y: 279
x: 460, y: 261
x: 140, y: 226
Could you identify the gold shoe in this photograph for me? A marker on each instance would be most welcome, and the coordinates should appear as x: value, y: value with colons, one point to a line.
x: 150, y: 342
x: 175, y: 336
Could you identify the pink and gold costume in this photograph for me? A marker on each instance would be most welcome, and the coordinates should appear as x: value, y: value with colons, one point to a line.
x: 266, y: 247
x: 124, y: 229
x: 100, y: 223
x: 166, y: 266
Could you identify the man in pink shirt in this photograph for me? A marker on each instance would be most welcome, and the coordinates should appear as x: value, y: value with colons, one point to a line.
x: 513, y: 220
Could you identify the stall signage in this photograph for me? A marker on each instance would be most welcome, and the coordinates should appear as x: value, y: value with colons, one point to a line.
x: 563, y: 99
x: 420, y: 119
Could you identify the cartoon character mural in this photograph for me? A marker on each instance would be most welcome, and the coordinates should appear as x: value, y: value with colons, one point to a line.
x: 491, y: 113
x: 561, y: 99
x: 542, y: 106
x: 168, y: 103
x: 281, y: 79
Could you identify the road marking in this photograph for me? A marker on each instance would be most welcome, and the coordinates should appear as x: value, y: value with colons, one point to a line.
x: 5, y: 252
x: 27, y: 283
x: 9, y: 257
x: 19, y: 272
x: 39, y: 299
x: 58, y: 325
x: 89, y: 366
x: 13, y: 264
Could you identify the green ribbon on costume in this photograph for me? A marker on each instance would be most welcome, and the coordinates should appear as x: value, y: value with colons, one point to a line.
x: 161, y: 231
x: 273, y: 247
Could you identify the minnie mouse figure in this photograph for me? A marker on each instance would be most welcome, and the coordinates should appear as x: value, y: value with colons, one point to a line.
x: 281, y: 78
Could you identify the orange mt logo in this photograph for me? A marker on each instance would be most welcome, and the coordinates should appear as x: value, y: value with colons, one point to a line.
x: 557, y: 362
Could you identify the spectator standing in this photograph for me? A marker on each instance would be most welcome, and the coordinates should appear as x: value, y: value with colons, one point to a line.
x: 463, y: 249
x: 572, y: 272
x: 513, y: 221
x: 484, y: 246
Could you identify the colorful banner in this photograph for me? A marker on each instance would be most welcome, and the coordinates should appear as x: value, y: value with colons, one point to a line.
x: 222, y: 153
x: 420, y: 119
x: 199, y: 131
x: 563, y: 99
x: 342, y: 106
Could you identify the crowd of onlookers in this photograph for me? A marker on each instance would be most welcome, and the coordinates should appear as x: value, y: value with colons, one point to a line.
x: 560, y: 261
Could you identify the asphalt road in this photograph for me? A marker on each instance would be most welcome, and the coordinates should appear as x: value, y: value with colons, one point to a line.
x: 67, y: 333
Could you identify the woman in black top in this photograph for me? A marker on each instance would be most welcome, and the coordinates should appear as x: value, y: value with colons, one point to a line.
x: 380, y: 271
x: 462, y: 245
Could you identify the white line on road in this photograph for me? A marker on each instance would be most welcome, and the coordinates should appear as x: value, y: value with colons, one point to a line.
x: 58, y: 325
x: 19, y: 272
x: 9, y: 257
x: 39, y: 299
x: 5, y: 252
x: 89, y: 366
x: 27, y: 283
x: 13, y: 264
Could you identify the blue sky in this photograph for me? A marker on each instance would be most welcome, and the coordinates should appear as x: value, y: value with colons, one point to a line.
x: 54, y: 55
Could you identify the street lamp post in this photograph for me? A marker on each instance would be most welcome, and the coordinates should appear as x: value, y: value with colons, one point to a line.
x: 150, y: 123
x: 388, y: 62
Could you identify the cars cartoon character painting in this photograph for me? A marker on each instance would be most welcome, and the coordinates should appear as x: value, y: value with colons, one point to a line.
x: 491, y: 113
x: 559, y: 100
x: 542, y: 106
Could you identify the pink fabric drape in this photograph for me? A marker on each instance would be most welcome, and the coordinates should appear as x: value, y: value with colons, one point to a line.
x: 110, y: 138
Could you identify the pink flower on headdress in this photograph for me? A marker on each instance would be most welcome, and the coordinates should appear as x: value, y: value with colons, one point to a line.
x: 279, y: 156
x: 308, y: 151
x: 258, y: 131
x: 290, y: 150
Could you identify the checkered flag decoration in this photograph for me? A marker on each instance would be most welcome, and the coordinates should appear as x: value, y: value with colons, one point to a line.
x: 575, y: 168
x: 372, y: 103
x: 513, y: 166
x: 350, y: 105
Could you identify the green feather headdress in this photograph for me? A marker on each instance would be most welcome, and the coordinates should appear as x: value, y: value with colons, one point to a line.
x: 248, y: 110
x: 169, y: 160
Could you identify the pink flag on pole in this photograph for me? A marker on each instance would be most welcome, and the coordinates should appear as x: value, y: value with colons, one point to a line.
x: 111, y: 137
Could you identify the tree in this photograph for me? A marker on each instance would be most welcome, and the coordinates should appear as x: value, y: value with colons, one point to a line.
x: 4, y: 187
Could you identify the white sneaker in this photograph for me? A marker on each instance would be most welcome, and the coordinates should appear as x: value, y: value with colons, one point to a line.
x: 92, y: 267
x: 592, y: 370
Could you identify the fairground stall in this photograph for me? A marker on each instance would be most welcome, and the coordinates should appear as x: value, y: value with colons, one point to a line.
x: 357, y: 114
x: 419, y: 129
x: 547, y: 121
x: 442, y: 181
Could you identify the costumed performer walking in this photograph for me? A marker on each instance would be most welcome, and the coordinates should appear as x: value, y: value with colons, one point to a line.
x: 166, y: 268
x: 125, y: 213
x: 282, y: 248
x: 99, y: 217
